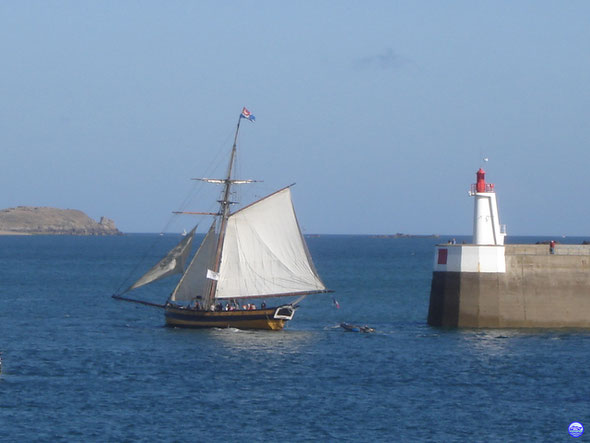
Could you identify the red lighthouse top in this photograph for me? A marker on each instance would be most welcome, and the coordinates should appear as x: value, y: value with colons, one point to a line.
x: 481, y: 185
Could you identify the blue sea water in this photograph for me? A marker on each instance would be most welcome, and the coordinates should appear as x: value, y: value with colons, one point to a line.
x: 80, y: 366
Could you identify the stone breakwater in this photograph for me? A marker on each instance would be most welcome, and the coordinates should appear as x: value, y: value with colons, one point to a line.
x: 538, y: 289
x: 28, y: 220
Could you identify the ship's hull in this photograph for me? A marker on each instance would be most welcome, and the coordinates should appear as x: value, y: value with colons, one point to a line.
x: 269, y: 319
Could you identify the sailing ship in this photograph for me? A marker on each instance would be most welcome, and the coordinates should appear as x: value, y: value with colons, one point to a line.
x: 256, y: 252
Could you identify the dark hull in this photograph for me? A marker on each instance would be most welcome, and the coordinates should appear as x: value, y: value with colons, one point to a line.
x: 269, y: 319
x: 355, y: 328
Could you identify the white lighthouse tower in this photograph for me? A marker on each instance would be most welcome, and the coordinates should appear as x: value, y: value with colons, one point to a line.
x: 486, y: 253
x: 486, y: 222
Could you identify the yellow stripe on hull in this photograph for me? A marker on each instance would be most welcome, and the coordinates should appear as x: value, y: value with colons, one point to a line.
x: 257, y: 319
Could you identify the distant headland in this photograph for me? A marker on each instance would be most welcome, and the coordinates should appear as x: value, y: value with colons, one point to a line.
x: 401, y: 235
x: 30, y: 220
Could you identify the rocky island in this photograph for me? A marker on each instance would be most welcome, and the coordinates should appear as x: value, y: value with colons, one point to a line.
x: 29, y: 220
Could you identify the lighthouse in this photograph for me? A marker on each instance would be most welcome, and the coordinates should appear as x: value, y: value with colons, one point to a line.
x: 487, y: 229
x: 487, y: 284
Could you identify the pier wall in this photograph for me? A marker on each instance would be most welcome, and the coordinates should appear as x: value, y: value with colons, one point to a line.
x: 537, y: 289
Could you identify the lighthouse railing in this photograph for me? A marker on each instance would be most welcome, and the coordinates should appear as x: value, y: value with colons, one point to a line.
x: 489, y: 187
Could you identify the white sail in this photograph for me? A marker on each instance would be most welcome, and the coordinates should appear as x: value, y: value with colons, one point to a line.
x: 264, y: 253
x: 194, y: 282
x: 172, y: 264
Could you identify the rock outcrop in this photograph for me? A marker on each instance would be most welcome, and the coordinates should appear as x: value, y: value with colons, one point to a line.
x: 53, y: 221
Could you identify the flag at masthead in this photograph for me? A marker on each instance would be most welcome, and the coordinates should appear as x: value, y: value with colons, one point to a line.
x: 247, y: 115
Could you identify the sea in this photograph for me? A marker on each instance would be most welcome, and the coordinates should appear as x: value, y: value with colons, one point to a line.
x: 78, y: 365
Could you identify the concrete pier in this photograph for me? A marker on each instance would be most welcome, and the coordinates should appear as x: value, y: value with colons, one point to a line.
x: 536, y: 288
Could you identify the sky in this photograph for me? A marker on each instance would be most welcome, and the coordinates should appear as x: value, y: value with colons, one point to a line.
x: 380, y: 111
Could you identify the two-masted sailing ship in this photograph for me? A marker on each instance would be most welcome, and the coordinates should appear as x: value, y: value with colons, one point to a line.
x: 252, y: 254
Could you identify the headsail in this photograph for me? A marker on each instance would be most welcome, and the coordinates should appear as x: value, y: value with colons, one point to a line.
x: 264, y: 253
x: 194, y: 282
x: 172, y: 264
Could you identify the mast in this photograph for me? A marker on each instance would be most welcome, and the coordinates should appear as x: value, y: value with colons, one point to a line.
x: 224, y: 213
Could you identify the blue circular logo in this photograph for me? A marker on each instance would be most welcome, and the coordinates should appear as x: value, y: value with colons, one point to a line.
x: 576, y: 429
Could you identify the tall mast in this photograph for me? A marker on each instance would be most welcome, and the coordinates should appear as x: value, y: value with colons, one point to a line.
x: 224, y: 212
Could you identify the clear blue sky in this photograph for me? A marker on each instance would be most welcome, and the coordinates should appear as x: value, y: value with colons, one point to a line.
x: 381, y: 111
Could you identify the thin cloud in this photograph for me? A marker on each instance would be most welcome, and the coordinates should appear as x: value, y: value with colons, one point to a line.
x: 386, y: 60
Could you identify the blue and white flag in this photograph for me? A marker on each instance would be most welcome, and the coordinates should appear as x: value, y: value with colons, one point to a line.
x: 247, y: 114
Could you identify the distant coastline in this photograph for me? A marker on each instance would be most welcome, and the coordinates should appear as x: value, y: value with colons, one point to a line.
x: 14, y: 233
x: 400, y: 235
x: 34, y: 220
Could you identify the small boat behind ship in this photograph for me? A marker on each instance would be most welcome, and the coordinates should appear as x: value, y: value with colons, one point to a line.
x: 354, y: 328
x: 256, y: 252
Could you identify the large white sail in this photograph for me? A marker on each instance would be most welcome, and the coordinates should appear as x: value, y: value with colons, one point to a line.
x: 172, y: 264
x: 264, y: 253
x: 194, y: 282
